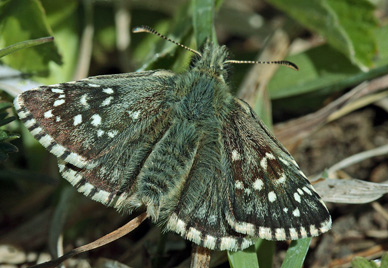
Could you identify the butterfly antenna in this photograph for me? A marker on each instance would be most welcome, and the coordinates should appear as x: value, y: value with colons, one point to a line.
x: 281, y: 62
x: 147, y: 29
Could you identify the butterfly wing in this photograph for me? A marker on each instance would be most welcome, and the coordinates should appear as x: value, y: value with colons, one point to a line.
x: 244, y: 184
x: 71, y: 121
x: 199, y: 213
x: 268, y: 194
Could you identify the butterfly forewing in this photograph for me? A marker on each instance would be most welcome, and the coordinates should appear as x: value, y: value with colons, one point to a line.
x: 269, y: 196
x: 108, y: 121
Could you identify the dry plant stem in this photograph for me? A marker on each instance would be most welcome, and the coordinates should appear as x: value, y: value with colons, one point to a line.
x: 122, y: 231
x: 380, y: 209
x: 293, y: 131
x: 200, y: 257
x: 358, y: 158
x: 260, y: 75
x: 370, y: 253
x: 86, y: 46
x: 123, y: 39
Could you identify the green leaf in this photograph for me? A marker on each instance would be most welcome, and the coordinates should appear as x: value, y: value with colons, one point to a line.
x: 23, y: 45
x: 265, y: 251
x: 258, y: 255
x: 360, y: 262
x: 384, y: 260
x: 245, y: 258
x: 296, y: 253
x: 203, y: 21
x: 25, y: 20
x: 323, y: 68
x: 347, y: 25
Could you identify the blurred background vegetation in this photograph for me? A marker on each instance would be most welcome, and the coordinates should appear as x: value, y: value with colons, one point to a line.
x: 334, y: 107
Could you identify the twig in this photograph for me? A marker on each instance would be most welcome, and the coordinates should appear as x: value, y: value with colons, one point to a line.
x: 200, y: 257
x: 380, y: 209
x: 122, y: 231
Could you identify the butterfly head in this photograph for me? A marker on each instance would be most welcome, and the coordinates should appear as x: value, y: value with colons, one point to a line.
x: 213, y: 60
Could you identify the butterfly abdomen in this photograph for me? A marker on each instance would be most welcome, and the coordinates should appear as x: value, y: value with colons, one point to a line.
x: 166, y: 168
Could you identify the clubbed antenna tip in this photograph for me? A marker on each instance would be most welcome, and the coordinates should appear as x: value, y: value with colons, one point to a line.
x: 280, y: 62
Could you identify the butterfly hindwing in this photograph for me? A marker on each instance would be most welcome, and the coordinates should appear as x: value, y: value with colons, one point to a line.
x: 199, y: 213
x: 269, y: 196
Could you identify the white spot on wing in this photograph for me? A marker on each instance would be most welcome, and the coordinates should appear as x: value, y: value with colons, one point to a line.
x: 303, y: 232
x: 194, y: 235
x: 134, y: 115
x: 313, y: 230
x: 272, y: 196
x: 77, y: 119
x: 93, y: 85
x: 307, y: 190
x: 84, y: 100
x: 280, y: 234
x: 57, y: 90
x: 293, y: 233
x: 210, y: 241
x: 296, y: 212
x: 265, y: 232
x: 282, y: 179
x: 239, y: 185
x: 48, y: 114
x: 284, y: 161
x: 235, y: 155
x: 107, y: 101
x: 258, y: 184
x: 108, y: 90
x: 228, y: 243
x: 297, y: 197
x: 112, y: 133
x: 96, y: 120
x: 58, y: 102
x: 100, y: 132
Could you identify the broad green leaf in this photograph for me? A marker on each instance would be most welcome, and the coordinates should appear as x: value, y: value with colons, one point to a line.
x: 323, y: 68
x: 25, y: 20
x: 357, y: 18
x: 296, y: 253
x: 347, y: 25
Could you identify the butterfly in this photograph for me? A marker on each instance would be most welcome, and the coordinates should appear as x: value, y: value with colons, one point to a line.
x: 180, y: 146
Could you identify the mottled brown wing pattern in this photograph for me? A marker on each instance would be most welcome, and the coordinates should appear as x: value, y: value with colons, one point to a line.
x: 111, y: 122
x: 269, y: 196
